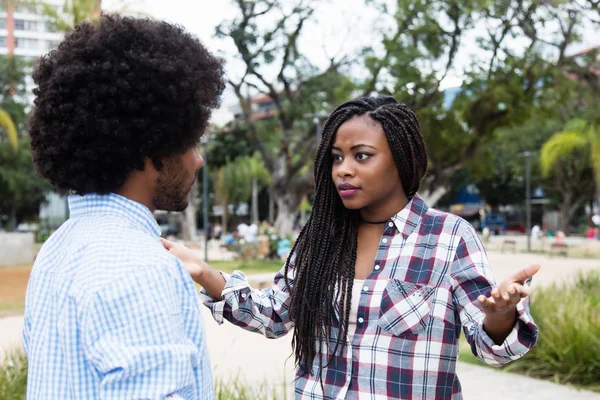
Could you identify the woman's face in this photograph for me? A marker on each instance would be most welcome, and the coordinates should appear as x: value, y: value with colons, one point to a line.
x: 363, y: 168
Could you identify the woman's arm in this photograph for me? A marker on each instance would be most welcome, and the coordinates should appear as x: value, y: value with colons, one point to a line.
x: 495, y: 319
x: 264, y: 311
x: 201, y: 273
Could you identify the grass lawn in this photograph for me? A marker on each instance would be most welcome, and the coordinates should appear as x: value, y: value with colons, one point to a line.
x: 13, y: 280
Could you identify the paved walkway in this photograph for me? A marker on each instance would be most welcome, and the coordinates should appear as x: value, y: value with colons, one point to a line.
x: 254, y: 359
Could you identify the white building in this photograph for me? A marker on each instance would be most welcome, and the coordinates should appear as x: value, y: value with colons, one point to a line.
x: 25, y: 33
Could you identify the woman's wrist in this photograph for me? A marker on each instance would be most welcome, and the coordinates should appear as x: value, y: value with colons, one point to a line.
x: 499, y: 326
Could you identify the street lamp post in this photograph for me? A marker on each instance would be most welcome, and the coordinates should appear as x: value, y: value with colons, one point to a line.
x: 528, y: 155
x: 204, y: 141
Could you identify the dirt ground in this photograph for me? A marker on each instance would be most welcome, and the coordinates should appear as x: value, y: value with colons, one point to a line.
x: 13, y: 284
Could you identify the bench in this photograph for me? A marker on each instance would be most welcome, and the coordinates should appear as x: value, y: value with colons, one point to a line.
x: 559, y: 248
x: 509, y: 243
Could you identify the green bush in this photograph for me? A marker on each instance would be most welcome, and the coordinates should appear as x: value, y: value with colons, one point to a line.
x: 13, y: 376
x: 568, y: 348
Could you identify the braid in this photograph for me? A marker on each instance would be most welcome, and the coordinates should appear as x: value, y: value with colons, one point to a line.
x: 325, y: 252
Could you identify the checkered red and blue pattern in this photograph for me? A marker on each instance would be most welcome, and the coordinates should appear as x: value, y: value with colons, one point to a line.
x: 429, y: 270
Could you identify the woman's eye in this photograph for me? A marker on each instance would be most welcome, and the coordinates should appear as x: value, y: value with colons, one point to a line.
x: 336, y: 157
x: 362, y: 156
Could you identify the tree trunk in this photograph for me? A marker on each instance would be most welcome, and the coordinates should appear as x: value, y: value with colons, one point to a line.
x: 271, y: 209
x: 190, y: 227
x: 287, y: 193
x: 255, y: 201
x: 286, y: 211
x: 565, y: 214
x: 432, y: 196
x: 12, y: 222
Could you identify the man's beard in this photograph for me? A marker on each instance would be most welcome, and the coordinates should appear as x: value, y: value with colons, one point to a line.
x: 172, y: 188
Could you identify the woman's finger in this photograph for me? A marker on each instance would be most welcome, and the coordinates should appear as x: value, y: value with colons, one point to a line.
x: 526, y: 273
x: 167, y: 243
x: 514, y: 294
x: 487, y: 303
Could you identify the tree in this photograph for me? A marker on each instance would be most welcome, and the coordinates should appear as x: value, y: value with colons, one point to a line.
x: 8, y: 126
x: 240, y: 181
x: 71, y: 13
x: 12, y: 98
x: 502, y: 180
x: 297, y: 87
x: 258, y: 176
x: 571, y: 159
x: 504, y: 81
x: 228, y: 144
x: 232, y: 186
x: 21, y: 188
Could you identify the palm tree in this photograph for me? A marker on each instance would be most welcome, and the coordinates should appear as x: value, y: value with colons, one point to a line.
x: 578, y: 134
x: 7, y: 124
x: 569, y: 155
x: 259, y: 176
x: 232, y: 186
x: 72, y: 12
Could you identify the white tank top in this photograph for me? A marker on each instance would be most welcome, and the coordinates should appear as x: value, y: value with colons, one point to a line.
x: 356, y: 291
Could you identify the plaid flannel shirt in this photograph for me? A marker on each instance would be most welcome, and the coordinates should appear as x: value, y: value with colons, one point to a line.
x: 429, y: 270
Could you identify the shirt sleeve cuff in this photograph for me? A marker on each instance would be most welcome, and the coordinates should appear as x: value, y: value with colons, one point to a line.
x: 234, y: 283
x: 519, y: 341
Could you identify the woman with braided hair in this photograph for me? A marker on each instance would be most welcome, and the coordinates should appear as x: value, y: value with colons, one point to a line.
x: 378, y: 285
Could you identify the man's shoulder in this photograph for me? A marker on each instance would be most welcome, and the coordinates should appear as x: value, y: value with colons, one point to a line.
x: 102, y: 257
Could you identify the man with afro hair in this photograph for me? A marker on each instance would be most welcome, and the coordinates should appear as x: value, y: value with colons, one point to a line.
x: 120, y: 107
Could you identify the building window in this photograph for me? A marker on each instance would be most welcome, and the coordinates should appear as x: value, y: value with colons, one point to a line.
x: 26, y: 43
x: 19, y: 25
x: 49, y: 27
x: 31, y: 26
x: 23, y: 25
x: 2, y: 41
x: 2, y: 23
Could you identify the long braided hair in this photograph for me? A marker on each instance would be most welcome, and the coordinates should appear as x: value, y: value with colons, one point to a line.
x: 324, y: 256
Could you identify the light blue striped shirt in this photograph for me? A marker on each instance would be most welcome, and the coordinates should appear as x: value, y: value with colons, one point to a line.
x: 110, y: 314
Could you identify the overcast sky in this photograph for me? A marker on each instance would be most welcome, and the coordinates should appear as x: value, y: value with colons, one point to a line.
x: 339, y: 26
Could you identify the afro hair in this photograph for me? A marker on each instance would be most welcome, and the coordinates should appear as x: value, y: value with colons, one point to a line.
x: 116, y: 92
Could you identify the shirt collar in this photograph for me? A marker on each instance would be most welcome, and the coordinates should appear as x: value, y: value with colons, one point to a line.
x: 92, y: 204
x: 410, y: 216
